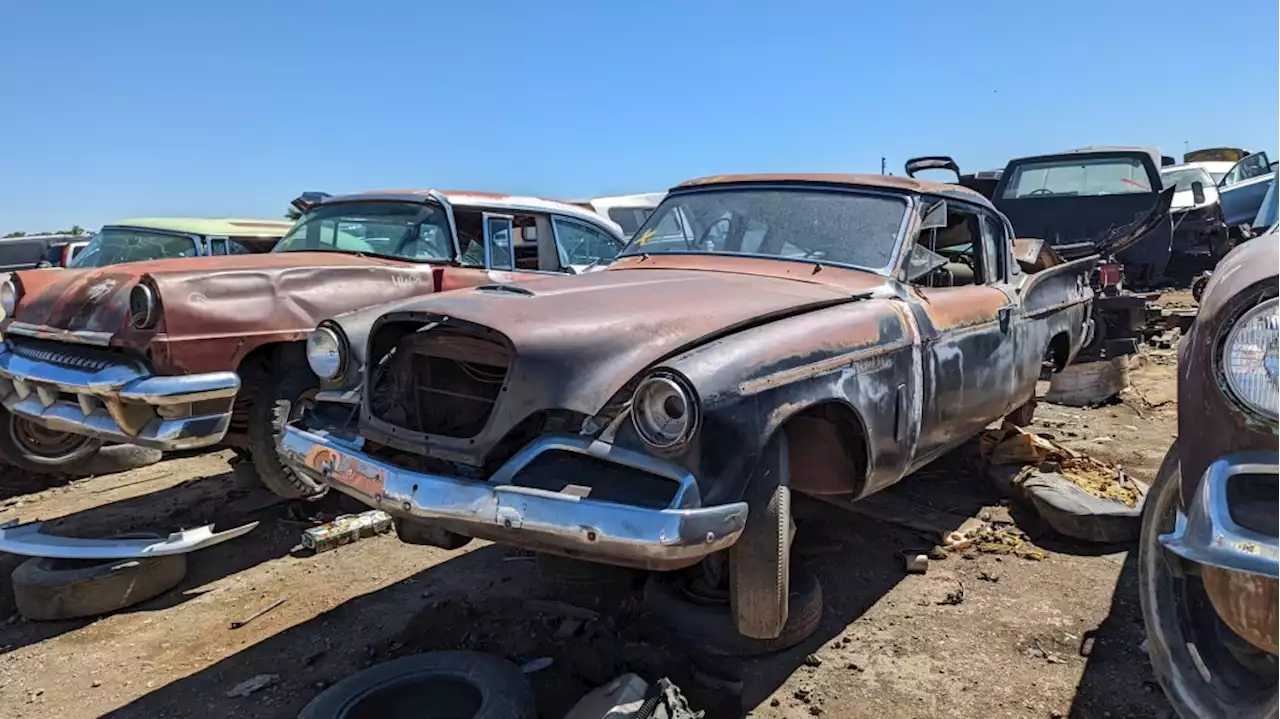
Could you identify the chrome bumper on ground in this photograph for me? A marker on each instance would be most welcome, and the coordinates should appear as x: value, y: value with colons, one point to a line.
x: 117, y: 402
x: 565, y: 522
x: 1206, y: 534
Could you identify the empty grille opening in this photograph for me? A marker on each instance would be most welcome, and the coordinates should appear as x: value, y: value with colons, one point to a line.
x: 604, y: 481
x: 1251, y: 502
x: 443, y: 381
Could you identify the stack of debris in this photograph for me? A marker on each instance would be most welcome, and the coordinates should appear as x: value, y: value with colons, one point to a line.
x: 1078, y: 496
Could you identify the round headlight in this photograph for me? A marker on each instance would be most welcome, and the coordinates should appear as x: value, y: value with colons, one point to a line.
x: 1251, y: 358
x: 663, y: 411
x: 8, y: 297
x: 142, y: 306
x: 326, y: 353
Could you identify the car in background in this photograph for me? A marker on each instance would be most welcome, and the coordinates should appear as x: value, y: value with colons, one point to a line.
x: 1241, y: 191
x: 1269, y: 212
x: 629, y: 211
x: 158, y: 238
x: 207, y: 347
x: 1200, y: 235
x: 30, y: 251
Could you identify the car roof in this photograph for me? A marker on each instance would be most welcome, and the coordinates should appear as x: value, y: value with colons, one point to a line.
x: 1206, y: 165
x: 215, y: 226
x: 489, y: 200
x: 889, y: 182
x: 1157, y: 159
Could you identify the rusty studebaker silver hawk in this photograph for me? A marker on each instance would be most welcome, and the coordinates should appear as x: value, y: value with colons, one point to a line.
x: 198, y: 351
x: 1210, y: 548
x: 760, y: 334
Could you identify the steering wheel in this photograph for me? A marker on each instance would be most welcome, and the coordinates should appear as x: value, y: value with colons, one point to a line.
x: 1040, y: 191
x: 703, y: 239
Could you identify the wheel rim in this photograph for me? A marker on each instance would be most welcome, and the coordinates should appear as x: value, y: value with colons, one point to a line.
x: 43, y: 445
x: 1208, y: 660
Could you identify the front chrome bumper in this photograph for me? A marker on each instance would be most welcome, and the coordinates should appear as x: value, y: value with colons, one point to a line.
x: 1207, y: 535
x: 565, y: 522
x: 117, y: 401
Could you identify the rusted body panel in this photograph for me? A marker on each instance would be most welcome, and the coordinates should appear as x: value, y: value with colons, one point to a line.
x: 256, y: 299
x: 1205, y: 408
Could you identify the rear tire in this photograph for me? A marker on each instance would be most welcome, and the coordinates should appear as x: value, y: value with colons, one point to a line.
x: 32, y: 448
x: 280, y: 401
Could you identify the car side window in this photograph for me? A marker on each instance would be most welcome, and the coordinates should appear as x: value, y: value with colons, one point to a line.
x: 217, y: 245
x: 581, y: 244
x: 952, y: 256
x: 994, y: 250
x: 1250, y: 167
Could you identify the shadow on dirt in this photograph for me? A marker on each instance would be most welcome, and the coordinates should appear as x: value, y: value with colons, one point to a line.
x: 1117, y: 680
x: 225, y: 500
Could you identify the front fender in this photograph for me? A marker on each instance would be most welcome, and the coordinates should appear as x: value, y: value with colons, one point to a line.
x: 861, y: 356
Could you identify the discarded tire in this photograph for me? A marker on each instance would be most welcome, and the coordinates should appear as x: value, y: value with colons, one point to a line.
x: 1089, y: 383
x: 53, y: 589
x: 1074, y: 512
x: 710, y: 628
x: 438, y: 685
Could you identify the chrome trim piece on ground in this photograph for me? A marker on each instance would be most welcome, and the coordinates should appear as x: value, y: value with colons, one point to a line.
x: 1207, y: 534
x: 116, y: 401
x: 562, y: 522
x: 27, y: 540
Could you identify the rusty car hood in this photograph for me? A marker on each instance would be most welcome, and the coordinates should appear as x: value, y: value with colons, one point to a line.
x: 578, y: 340
x: 217, y: 296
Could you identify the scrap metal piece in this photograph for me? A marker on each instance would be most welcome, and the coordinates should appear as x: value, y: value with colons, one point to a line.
x: 27, y: 540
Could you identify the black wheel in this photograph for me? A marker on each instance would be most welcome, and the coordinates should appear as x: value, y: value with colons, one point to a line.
x: 285, y: 396
x: 435, y: 685
x: 28, y: 446
x: 700, y: 615
x: 1206, y: 670
x: 54, y: 589
x: 760, y: 561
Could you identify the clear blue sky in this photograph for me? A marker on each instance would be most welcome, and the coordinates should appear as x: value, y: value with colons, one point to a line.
x: 145, y: 107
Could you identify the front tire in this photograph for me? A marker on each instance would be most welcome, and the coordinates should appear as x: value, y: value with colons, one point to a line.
x: 1204, y: 668
x: 280, y: 401
x: 35, y: 449
x: 760, y: 561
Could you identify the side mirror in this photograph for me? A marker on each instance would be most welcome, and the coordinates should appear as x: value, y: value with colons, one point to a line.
x: 935, y: 218
x: 307, y: 200
x: 1197, y: 192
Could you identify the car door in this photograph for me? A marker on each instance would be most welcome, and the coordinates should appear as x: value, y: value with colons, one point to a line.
x: 582, y: 246
x: 965, y: 315
x: 1242, y: 189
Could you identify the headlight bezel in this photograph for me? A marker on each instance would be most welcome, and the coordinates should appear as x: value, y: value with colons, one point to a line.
x: 9, y: 297
x: 670, y: 384
x: 150, y: 302
x: 1267, y: 304
x: 343, y: 351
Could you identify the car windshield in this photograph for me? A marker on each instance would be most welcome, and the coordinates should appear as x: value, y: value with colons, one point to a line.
x: 630, y: 218
x: 115, y: 245
x: 413, y: 231
x: 829, y: 226
x: 1183, y: 178
x: 1078, y: 176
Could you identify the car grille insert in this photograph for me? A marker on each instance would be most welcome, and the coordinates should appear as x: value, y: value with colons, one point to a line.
x: 60, y: 354
x: 444, y: 381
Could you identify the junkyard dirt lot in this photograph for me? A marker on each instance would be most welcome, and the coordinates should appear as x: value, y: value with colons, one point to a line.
x: 888, y: 646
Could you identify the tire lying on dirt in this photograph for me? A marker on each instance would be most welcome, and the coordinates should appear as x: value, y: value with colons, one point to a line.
x: 53, y: 589
x: 1205, y: 669
x: 453, y: 685
x: 281, y: 400
x: 1074, y: 512
x: 1089, y: 383
x: 709, y: 627
x: 35, y: 449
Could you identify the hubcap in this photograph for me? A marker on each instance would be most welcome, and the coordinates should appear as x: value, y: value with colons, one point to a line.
x: 42, y: 444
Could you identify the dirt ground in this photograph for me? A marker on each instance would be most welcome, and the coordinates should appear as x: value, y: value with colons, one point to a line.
x: 1051, y: 638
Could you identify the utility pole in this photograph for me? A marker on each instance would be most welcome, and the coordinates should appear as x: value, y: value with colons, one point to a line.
x: 882, y: 166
